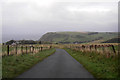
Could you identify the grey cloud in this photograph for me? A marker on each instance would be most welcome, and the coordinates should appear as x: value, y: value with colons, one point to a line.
x: 31, y: 18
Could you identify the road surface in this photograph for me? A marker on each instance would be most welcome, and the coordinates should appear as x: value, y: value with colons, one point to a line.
x: 58, y: 65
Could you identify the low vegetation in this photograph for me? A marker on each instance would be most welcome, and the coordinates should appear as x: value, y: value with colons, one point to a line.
x: 12, y: 66
x: 99, y: 66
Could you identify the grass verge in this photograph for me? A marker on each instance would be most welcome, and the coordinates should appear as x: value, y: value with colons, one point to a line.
x: 12, y: 66
x: 98, y: 65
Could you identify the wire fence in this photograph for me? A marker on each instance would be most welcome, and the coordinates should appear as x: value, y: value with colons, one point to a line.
x: 22, y: 49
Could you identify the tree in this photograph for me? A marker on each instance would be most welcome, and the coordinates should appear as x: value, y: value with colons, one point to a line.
x: 10, y: 42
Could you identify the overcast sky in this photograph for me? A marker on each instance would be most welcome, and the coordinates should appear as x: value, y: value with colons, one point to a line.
x: 29, y: 19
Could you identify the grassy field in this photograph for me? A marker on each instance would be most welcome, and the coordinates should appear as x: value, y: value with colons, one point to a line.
x: 12, y: 66
x: 96, y: 64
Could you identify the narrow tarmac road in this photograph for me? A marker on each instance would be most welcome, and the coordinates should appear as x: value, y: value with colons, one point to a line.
x: 58, y: 65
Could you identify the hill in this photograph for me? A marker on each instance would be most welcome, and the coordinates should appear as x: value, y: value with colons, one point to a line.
x: 77, y: 37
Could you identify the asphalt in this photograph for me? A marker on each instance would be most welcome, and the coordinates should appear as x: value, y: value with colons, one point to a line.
x: 58, y: 65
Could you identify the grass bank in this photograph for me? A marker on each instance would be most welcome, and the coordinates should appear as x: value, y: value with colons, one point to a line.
x: 98, y: 65
x: 12, y: 66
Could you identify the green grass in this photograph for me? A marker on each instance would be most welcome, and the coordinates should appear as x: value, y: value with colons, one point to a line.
x: 98, y: 65
x: 12, y: 66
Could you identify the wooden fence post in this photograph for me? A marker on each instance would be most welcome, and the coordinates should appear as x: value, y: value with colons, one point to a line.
x: 83, y: 48
x: 22, y: 49
x: 30, y: 49
x: 16, y: 49
x: 37, y: 49
x: 8, y: 50
x: 33, y: 50
x: 113, y: 49
x: 95, y: 47
x: 50, y: 47
x: 90, y: 47
x: 26, y: 49
x: 41, y: 48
